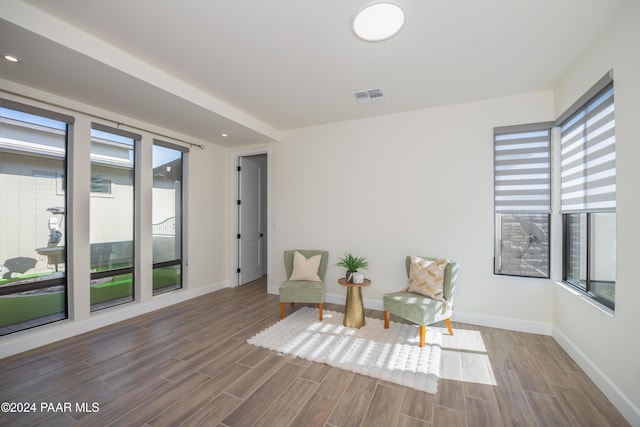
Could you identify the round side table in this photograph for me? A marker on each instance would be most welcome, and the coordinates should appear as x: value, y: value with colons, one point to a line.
x: 353, y: 308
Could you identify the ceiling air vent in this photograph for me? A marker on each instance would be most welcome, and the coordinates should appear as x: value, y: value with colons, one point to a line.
x: 369, y: 96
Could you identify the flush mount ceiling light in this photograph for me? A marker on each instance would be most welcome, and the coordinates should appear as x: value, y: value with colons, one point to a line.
x: 378, y: 21
x: 11, y: 58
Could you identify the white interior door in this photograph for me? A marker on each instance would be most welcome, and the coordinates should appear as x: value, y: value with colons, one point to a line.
x: 249, y: 221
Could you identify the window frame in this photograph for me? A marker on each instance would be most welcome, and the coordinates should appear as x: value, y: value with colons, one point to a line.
x: 113, y: 272
x: 588, y: 287
x: 55, y: 281
x: 581, y: 106
x: 537, y: 208
x: 179, y: 226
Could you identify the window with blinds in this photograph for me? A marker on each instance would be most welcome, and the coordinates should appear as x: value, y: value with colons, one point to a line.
x: 522, y: 199
x: 588, y: 193
x: 589, y: 156
x: 522, y: 168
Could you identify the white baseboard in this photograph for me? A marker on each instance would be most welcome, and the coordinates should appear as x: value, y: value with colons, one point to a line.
x: 630, y: 411
x: 32, y: 338
x: 499, y: 322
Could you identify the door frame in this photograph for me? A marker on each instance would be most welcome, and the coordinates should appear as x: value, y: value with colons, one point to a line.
x: 235, y: 159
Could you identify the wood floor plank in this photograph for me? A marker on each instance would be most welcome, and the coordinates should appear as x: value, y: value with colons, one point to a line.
x: 127, y: 401
x: 417, y: 404
x: 447, y: 417
x: 578, y: 409
x: 56, y: 420
x: 209, y: 362
x: 384, y: 409
x: 255, y: 377
x: 321, y: 404
x: 547, y: 410
x: 353, y: 404
x: 214, y: 412
x: 483, y: 413
x: 42, y: 387
x: 221, y: 358
x: 255, y: 356
x: 562, y: 358
x: 142, y: 413
x: 480, y: 391
x: 315, y: 372
x: 476, y: 368
x: 529, y: 374
x: 254, y: 406
x: 407, y: 421
x: 11, y: 377
x: 287, y: 406
x: 598, y: 400
x: 512, y: 403
x: 138, y: 371
x: 450, y: 394
x: 553, y: 372
x: 186, y: 406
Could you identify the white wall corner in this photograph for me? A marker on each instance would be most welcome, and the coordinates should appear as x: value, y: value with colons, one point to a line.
x: 630, y: 411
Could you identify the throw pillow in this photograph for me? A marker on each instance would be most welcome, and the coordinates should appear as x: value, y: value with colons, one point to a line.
x: 427, y: 277
x: 305, y: 268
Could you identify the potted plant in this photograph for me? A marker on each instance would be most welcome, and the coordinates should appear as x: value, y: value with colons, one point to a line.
x: 352, y: 264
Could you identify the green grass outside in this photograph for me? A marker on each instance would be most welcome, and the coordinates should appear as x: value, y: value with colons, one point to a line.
x: 119, y: 287
x: 21, y: 308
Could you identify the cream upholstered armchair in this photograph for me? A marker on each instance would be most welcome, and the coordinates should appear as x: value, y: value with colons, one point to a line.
x: 305, y: 270
x: 422, y: 309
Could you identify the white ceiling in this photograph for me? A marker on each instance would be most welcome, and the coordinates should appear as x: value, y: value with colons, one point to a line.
x: 253, y: 68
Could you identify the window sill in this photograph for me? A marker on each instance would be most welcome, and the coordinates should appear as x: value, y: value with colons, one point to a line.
x: 595, y: 304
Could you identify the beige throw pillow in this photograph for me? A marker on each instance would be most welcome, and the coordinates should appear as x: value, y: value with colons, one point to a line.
x: 427, y: 277
x: 305, y: 268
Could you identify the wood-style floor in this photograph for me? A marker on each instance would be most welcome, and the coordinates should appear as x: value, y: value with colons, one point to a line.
x: 190, y: 365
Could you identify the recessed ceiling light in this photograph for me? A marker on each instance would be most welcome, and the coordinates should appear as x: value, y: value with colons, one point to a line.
x: 224, y: 135
x: 11, y: 58
x: 378, y: 21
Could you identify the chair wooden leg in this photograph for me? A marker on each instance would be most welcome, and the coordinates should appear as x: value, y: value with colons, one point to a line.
x: 448, y: 323
x: 423, y: 331
x: 320, y: 311
x: 281, y: 310
x: 386, y: 319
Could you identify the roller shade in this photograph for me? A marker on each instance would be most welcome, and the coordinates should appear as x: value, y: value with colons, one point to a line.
x: 522, y: 168
x: 588, y: 156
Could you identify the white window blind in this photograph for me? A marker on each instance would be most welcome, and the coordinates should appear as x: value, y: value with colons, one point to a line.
x: 588, y: 171
x: 522, y: 168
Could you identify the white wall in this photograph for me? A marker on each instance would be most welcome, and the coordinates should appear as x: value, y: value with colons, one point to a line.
x: 419, y: 183
x: 209, y: 231
x: 608, y: 345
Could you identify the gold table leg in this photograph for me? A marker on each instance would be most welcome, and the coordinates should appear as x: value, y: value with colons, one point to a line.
x: 354, y: 310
